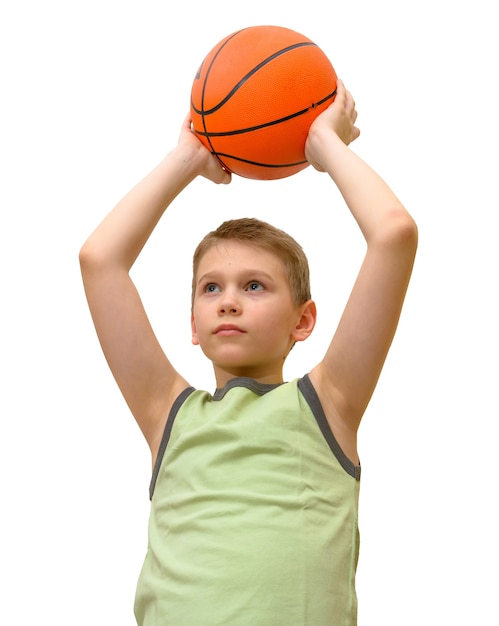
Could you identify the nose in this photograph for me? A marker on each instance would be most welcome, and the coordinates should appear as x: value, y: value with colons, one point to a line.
x: 229, y: 305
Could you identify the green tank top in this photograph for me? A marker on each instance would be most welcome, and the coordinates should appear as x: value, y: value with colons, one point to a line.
x: 253, y: 513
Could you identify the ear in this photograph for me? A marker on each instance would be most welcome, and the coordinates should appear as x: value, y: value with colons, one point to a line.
x: 306, y: 321
x: 195, y: 340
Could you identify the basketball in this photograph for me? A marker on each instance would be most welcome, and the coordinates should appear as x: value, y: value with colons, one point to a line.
x: 255, y: 96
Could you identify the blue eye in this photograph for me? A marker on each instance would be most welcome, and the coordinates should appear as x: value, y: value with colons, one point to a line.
x: 254, y: 285
x: 211, y: 288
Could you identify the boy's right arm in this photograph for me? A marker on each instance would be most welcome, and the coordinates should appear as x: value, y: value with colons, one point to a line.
x: 146, y: 378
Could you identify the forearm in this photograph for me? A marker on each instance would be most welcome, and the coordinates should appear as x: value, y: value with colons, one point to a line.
x: 120, y: 237
x: 371, y: 201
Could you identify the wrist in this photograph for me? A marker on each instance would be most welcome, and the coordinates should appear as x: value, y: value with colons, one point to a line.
x: 187, y: 159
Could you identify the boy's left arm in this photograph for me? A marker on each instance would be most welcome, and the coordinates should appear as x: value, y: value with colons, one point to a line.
x: 346, y: 377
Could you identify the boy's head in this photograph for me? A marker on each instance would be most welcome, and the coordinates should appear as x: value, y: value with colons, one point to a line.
x: 256, y: 233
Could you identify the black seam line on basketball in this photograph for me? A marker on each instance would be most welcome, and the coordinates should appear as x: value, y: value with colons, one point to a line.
x: 250, y: 129
x: 198, y: 73
x: 206, y: 78
x: 248, y: 76
x: 270, y: 165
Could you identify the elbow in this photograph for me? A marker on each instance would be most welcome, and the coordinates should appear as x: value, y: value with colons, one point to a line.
x: 400, y: 231
x: 409, y: 234
x: 90, y: 258
x: 98, y: 260
x: 86, y: 256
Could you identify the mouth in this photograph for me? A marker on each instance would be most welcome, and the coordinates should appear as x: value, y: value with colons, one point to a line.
x: 228, y: 330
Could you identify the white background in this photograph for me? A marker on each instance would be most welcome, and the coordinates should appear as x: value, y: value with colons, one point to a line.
x: 93, y: 95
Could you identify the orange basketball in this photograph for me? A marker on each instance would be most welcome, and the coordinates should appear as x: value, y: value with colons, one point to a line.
x: 255, y: 96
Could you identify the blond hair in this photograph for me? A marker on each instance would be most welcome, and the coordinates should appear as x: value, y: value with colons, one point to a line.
x: 267, y: 237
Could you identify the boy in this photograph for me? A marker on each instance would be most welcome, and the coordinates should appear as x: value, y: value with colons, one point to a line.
x: 254, y: 489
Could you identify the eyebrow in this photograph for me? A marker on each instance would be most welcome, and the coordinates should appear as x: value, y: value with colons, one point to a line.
x: 255, y: 273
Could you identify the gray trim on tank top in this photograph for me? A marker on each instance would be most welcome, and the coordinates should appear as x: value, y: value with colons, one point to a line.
x: 313, y: 401
x: 243, y: 381
x: 308, y: 392
x: 181, y: 398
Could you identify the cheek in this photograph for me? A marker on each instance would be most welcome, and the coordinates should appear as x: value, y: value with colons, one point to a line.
x: 276, y: 320
x: 200, y: 325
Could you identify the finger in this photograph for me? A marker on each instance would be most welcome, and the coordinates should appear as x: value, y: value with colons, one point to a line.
x: 340, y: 90
x: 187, y: 123
x: 224, y: 177
x: 349, y: 103
x: 218, y: 173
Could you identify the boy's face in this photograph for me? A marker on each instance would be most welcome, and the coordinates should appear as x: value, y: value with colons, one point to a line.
x: 243, y: 314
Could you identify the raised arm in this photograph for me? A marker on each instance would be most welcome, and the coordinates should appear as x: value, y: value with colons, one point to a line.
x: 348, y: 374
x: 144, y: 375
